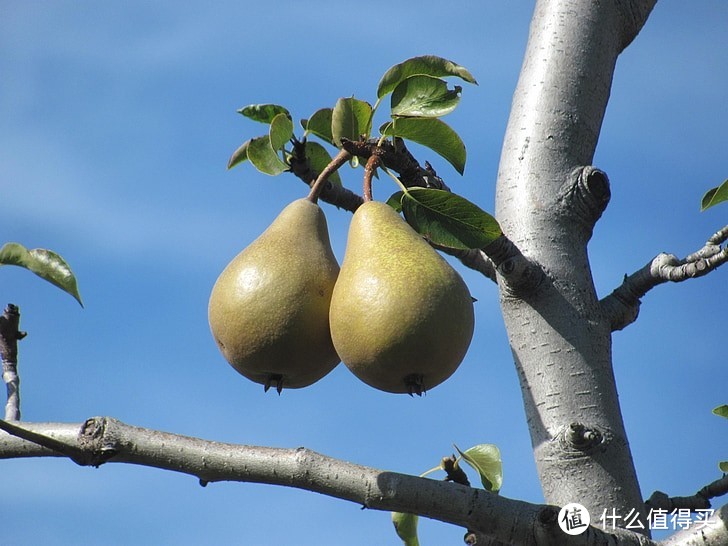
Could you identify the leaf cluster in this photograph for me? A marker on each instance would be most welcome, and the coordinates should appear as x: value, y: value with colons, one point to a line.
x: 418, y: 98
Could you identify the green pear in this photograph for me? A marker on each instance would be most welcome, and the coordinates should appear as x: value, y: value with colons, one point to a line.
x: 269, y: 309
x: 401, y: 317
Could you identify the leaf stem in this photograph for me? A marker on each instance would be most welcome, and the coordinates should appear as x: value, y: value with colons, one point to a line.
x: 342, y: 157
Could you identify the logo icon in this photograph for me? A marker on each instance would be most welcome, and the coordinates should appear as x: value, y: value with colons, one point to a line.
x: 574, y: 519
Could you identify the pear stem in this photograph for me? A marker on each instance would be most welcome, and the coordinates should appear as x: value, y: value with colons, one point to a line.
x: 369, y: 169
x: 342, y: 157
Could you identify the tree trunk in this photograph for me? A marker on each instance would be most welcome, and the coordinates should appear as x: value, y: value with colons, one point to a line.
x: 547, y: 202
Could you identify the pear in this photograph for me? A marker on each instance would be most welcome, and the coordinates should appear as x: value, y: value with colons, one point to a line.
x: 269, y: 309
x: 401, y: 317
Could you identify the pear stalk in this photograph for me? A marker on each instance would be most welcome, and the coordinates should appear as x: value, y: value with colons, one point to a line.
x: 369, y: 169
x: 342, y: 157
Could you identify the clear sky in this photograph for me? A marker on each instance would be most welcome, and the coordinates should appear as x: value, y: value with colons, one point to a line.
x: 116, y: 123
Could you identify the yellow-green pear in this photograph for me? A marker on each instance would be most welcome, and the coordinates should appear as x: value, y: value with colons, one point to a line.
x: 269, y: 309
x: 401, y: 316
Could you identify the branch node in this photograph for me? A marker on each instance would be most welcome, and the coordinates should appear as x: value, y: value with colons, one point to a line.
x: 621, y: 307
x: 519, y: 275
x: 582, y: 438
x: 584, y: 196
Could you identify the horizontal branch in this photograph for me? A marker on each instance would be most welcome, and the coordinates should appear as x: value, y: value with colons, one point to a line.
x: 102, y: 439
x: 698, y: 501
x: 621, y: 307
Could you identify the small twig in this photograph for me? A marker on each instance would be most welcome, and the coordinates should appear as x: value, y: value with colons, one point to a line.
x: 396, y: 156
x: 698, y: 501
x: 9, y: 337
x: 334, y: 194
x: 621, y: 307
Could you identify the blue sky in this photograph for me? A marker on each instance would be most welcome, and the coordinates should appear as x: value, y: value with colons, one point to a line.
x: 117, y: 123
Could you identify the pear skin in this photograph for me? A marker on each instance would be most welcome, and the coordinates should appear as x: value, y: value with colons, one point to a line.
x: 401, y: 317
x: 269, y: 309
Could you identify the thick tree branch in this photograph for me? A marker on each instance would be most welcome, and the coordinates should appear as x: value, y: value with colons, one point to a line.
x: 101, y: 439
x: 622, y: 306
x: 547, y: 201
x: 709, y: 535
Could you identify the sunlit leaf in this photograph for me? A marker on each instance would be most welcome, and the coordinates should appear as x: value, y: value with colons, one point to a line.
x: 723, y: 465
x: 449, y: 220
x: 721, y: 411
x: 424, y: 96
x: 264, y: 157
x: 350, y: 119
x: 318, y: 159
x: 45, y: 263
x: 239, y: 155
x: 281, y: 131
x: 320, y: 124
x: 714, y: 196
x: 486, y: 460
x: 433, y: 133
x: 263, y: 113
x: 406, y: 527
x: 429, y: 65
x: 395, y: 201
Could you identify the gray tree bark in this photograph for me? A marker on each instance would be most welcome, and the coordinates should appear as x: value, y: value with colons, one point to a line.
x: 547, y: 202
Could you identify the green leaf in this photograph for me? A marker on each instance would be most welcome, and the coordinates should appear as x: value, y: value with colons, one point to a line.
x: 424, y: 96
x: 714, y: 196
x: 723, y: 465
x: 239, y: 155
x: 262, y: 155
x: 406, y: 527
x: 486, y: 460
x: 263, y: 113
x: 45, y: 263
x: 429, y: 65
x: 721, y: 411
x: 433, y: 133
x: 318, y: 159
x: 350, y: 119
x: 449, y: 220
x: 320, y: 124
x: 281, y: 131
x: 395, y: 201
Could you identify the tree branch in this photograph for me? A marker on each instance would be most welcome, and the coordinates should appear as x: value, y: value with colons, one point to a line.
x: 103, y: 439
x: 621, y: 307
x: 698, y: 501
x: 9, y: 337
x: 334, y: 194
x: 709, y: 535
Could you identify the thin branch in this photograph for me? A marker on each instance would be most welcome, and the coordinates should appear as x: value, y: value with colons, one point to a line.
x: 698, y: 501
x: 103, y: 439
x: 621, y: 307
x: 334, y: 194
x: 395, y: 156
x: 9, y: 337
